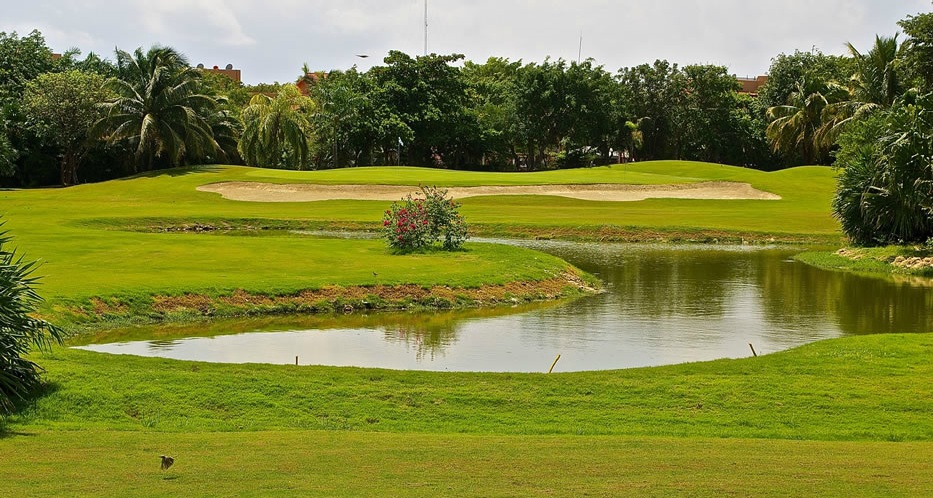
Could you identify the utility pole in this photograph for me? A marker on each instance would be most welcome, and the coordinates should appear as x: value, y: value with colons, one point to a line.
x: 425, y: 28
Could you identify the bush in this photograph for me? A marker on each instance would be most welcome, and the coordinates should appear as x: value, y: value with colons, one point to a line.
x: 885, y: 193
x: 415, y: 223
x: 19, y: 328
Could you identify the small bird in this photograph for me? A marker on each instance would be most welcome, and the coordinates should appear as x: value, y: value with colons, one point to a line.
x: 167, y: 462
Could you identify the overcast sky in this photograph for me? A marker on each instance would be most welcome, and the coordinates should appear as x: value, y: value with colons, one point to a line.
x: 270, y: 39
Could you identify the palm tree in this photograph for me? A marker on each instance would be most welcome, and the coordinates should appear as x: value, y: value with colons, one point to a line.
x: 158, y: 108
x: 797, y: 125
x: 875, y: 85
x: 277, y: 131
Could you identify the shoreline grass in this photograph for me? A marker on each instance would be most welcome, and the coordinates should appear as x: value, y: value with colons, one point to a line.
x: 900, y: 261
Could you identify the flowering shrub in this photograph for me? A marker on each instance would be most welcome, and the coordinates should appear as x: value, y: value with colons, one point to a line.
x: 418, y: 222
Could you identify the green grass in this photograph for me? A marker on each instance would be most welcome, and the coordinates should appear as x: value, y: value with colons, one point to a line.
x: 865, y: 388
x: 310, y: 463
x: 870, y: 260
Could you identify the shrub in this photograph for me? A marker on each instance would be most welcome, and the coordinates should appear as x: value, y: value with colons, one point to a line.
x: 885, y: 193
x: 418, y: 222
x: 19, y: 328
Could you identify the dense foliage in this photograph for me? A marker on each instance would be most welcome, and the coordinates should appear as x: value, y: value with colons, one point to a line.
x: 886, y: 183
x: 20, y: 330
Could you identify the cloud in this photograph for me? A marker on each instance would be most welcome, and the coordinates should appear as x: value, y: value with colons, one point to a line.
x: 196, y: 20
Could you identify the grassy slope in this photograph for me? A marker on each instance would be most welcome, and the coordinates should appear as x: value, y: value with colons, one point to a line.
x: 865, y: 388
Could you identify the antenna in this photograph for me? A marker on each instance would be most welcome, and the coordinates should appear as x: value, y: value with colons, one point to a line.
x: 425, y: 28
x: 580, y: 51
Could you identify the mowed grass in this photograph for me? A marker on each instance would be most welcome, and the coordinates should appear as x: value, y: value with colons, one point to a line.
x: 864, y: 388
x: 339, y: 464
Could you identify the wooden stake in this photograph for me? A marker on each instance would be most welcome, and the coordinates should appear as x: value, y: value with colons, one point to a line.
x: 296, y: 361
x: 553, y: 364
x: 753, y: 350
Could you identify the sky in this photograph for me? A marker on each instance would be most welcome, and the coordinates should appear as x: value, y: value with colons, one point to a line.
x: 269, y: 40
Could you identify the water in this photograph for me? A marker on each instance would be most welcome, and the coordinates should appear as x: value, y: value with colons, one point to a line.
x: 663, y: 305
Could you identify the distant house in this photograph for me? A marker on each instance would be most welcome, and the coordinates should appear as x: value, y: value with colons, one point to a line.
x: 228, y: 71
x: 305, y: 83
x: 751, y: 86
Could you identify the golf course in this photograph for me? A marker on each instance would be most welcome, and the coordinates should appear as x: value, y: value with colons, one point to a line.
x: 182, y: 248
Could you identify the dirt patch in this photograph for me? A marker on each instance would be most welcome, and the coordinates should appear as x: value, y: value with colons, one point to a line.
x: 269, y: 192
x: 378, y: 297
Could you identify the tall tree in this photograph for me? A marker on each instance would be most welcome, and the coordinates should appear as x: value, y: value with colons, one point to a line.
x: 277, y: 131
x: 706, y: 118
x: 876, y: 84
x: 787, y: 70
x: 158, y: 108
x: 61, y: 108
x: 492, y: 92
x: 919, y: 47
x: 429, y: 94
x: 22, y: 59
x: 796, y: 126
x: 655, y: 92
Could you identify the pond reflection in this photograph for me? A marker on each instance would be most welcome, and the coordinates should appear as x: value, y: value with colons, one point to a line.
x: 663, y: 305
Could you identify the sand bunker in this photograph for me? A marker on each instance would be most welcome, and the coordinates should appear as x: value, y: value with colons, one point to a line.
x: 269, y: 192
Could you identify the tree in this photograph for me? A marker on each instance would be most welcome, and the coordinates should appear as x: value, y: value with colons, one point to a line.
x: 158, y: 108
x: 20, y: 330
x: 277, y: 131
x: 788, y: 70
x: 796, y: 126
x: 61, y: 108
x: 8, y: 154
x: 655, y: 92
x: 705, y: 121
x: 429, y: 94
x: 876, y: 84
x: 21, y: 60
x: 919, y: 48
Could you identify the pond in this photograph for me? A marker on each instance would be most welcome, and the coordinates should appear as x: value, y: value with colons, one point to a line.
x: 663, y: 305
